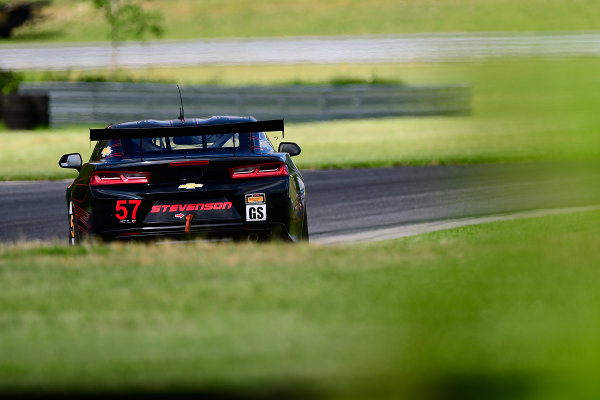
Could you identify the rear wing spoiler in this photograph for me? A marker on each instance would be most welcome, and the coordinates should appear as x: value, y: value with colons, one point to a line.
x: 275, y: 125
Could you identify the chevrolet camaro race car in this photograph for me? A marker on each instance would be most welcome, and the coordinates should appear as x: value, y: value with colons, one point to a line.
x: 216, y: 177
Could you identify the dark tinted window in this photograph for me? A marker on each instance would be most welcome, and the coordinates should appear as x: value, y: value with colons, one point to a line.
x: 121, y: 150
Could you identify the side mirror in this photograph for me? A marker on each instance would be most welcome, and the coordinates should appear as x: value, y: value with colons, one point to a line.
x: 291, y: 148
x: 72, y: 160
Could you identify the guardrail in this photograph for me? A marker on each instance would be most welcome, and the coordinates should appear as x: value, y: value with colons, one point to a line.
x: 102, y: 103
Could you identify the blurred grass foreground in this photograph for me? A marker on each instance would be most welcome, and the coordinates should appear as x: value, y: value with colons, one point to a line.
x: 504, y: 311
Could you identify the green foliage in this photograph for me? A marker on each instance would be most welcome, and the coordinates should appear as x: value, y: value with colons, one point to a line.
x: 172, y: 75
x: 121, y: 75
x: 128, y: 20
x: 9, y: 81
x: 341, y: 80
x: 349, y: 80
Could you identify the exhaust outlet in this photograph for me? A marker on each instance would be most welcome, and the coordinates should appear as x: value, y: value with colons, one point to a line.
x: 253, y: 237
x: 188, y: 222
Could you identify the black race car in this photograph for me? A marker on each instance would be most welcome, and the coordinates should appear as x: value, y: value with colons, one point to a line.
x: 216, y: 177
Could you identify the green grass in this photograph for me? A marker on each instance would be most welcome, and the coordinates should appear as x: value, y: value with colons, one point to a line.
x: 503, y: 310
x: 523, y: 110
x: 31, y: 155
x: 71, y: 20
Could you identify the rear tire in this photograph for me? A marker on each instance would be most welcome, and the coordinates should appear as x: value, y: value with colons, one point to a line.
x: 305, y: 227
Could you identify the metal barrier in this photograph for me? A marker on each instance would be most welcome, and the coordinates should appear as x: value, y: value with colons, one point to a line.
x: 102, y: 103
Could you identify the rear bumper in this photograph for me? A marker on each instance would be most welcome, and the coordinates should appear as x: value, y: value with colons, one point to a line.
x: 263, y: 230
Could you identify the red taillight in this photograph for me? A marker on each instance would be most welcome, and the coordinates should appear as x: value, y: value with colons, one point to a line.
x: 259, y: 171
x: 118, y: 177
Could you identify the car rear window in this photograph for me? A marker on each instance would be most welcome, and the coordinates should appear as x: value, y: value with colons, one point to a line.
x: 126, y: 150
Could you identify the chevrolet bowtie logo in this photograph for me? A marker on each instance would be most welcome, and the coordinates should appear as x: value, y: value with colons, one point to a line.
x: 190, y: 186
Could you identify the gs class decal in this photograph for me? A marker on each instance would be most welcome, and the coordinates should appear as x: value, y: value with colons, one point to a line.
x: 256, y: 207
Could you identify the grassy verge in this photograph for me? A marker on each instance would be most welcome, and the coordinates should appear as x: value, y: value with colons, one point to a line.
x: 34, y: 155
x: 71, y: 20
x: 307, y: 74
x: 522, y: 111
x: 504, y: 310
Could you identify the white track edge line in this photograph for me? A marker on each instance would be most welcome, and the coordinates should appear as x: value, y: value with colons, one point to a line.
x: 426, y: 227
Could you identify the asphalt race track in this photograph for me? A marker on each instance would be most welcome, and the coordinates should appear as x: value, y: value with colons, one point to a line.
x: 424, y: 47
x: 350, y: 202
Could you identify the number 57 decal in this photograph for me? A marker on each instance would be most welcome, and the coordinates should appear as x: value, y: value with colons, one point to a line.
x: 123, y: 207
